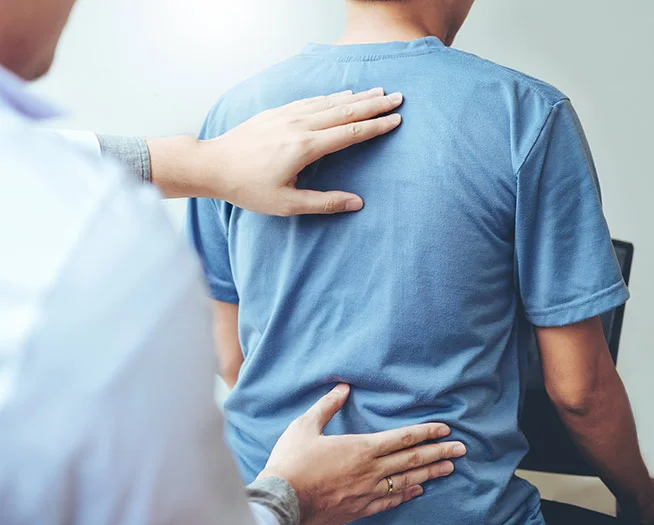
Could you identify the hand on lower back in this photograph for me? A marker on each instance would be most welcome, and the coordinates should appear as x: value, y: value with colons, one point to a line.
x: 339, y: 479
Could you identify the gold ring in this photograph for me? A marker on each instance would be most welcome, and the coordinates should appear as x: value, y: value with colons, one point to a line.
x: 391, y: 487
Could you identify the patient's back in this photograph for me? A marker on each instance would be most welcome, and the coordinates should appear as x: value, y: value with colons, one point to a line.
x: 421, y: 300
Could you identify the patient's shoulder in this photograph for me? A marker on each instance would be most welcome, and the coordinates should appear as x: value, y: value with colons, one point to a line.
x: 491, y: 71
x: 267, y: 89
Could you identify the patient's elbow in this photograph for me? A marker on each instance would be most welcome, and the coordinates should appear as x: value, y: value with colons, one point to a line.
x: 576, y: 401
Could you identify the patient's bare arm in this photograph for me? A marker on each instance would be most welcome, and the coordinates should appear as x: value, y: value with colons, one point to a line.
x: 228, y: 348
x: 584, y: 385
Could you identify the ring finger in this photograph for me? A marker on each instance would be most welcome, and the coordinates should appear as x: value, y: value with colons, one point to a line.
x: 406, y: 480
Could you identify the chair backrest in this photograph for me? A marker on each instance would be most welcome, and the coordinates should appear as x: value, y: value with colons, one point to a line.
x: 551, y: 448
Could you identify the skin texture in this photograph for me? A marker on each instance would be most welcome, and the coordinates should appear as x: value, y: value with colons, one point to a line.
x: 587, y: 391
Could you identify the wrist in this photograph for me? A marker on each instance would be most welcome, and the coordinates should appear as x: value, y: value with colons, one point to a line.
x: 181, y: 167
x: 207, y: 172
x: 278, y: 496
x: 305, y: 505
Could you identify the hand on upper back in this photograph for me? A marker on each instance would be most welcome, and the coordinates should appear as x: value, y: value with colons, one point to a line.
x: 260, y: 159
x: 339, y: 479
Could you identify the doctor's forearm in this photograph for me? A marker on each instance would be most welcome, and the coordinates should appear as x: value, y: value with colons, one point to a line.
x: 174, y: 164
x: 180, y: 168
x: 255, y: 165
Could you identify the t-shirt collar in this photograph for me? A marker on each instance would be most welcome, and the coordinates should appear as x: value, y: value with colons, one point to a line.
x: 376, y: 50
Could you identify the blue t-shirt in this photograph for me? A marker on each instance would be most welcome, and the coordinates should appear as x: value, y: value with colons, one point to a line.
x: 482, y: 217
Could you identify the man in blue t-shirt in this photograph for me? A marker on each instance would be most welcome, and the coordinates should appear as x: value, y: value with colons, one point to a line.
x: 482, y: 219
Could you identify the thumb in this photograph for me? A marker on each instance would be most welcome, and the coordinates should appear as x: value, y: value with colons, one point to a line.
x: 303, y: 202
x: 327, y: 407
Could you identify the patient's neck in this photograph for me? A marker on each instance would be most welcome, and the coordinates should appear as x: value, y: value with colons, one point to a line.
x: 370, y: 22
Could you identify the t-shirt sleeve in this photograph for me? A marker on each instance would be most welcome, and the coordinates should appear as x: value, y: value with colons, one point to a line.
x: 208, y: 235
x: 566, y: 266
x: 206, y: 225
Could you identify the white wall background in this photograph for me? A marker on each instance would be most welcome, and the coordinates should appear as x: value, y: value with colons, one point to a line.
x: 154, y: 67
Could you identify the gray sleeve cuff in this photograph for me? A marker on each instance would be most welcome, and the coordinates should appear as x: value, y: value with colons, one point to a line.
x: 277, y: 496
x: 132, y: 152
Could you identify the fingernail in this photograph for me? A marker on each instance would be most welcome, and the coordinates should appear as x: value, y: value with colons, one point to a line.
x: 447, y: 468
x: 376, y: 91
x: 395, y: 97
x: 353, y: 204
x: 443, y: 432
x: 395, y: 118
x: 459, y: 449
x: 341, y: 389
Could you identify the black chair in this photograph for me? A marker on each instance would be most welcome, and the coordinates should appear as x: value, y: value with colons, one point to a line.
x: 551, y: 448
